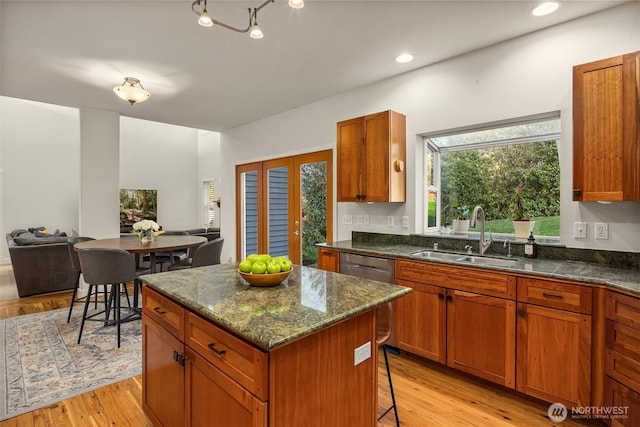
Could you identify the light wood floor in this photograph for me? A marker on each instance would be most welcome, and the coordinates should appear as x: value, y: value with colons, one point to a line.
x: 427, y: 394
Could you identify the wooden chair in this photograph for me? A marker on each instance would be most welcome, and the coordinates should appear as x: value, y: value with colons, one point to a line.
x: 383, y: 325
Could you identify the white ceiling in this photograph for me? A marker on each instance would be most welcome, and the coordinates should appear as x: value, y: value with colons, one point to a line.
x: 73, y: 53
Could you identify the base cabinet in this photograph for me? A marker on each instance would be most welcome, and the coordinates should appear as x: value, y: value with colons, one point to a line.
x: 329, y: 260
x: 554, y: 355
x: 469, y: 331
x: 488, y: 348
x: 211, y: 395
x: 195, y: 373
x: 622, y: 358
x: 421, y: 321
x: 162, y: 373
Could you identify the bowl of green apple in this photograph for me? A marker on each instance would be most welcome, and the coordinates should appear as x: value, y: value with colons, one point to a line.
x: 264, y: 270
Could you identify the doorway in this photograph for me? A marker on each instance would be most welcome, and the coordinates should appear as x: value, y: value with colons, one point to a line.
x: 285, y: 206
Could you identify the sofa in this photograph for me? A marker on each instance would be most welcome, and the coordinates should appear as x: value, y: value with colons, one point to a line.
x: 40, y: 261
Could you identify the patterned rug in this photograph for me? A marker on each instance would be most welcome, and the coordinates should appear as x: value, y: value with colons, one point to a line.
x: 41, y: 363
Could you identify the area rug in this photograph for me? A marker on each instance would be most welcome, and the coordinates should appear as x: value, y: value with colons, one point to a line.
x: 41, y: 362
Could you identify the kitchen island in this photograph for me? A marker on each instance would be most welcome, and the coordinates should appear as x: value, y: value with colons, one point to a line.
x: 218, y: 351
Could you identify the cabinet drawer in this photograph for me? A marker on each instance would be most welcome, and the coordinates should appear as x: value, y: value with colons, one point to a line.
x: 624, y: 369
x: 421, y: 272
x: 164, y: 311
x: 623, y: 309
x: 553, y: 294
x: 460, y: 278
x: 623, y: 339
x: 239, y: 360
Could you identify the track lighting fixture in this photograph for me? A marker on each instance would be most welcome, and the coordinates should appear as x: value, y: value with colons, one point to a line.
x: 199, y: 7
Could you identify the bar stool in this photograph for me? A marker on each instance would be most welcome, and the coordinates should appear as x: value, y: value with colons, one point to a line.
x: 102, y: 267
x: 75, y: 264
x: 383, y: 326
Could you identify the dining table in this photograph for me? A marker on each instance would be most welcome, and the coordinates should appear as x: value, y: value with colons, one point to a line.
x: 133, y: 245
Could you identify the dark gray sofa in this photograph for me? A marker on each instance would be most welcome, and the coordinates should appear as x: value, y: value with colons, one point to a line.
x: 40, y: 263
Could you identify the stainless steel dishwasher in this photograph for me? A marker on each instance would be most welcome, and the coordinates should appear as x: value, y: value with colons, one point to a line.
x: 369, y: 267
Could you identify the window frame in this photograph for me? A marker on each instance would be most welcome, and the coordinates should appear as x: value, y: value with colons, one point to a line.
x: 429, y: 144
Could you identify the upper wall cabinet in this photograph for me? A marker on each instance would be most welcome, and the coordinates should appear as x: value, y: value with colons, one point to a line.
x: 371, y: 158
x: 606, y: 136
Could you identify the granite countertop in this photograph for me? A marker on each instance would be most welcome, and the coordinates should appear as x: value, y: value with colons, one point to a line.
x: 309, y: 300
x: 618, y: 278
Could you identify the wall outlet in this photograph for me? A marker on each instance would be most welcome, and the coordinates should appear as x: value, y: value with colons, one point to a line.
x: 580, y: 230
x: 365, y: 219
x: 362, y: 353
x: 405, y: 222
x: 390, y: 221
x: 358, y: 219
x: 347, y: 220
x: 602, y: 231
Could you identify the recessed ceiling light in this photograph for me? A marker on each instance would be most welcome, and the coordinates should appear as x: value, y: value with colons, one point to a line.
x: 405, y: 57
x: 545, y: 8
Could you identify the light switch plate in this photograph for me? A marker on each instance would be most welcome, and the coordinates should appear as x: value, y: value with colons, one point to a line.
x: 579, y: 230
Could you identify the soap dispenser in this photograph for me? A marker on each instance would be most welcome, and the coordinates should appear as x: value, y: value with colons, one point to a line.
x: 531, y: 247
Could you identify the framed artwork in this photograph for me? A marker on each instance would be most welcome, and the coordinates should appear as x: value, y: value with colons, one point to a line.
x: 136, y: 205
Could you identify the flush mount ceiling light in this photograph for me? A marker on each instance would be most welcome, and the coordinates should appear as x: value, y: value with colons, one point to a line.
x: 131, y: 90
x: 545, y: 8
x: 199, y: 7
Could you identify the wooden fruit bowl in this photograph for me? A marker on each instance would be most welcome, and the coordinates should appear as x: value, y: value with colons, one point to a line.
x: 265, y: 279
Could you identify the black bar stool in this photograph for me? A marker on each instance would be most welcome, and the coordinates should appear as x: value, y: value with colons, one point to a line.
x: 383, y: 326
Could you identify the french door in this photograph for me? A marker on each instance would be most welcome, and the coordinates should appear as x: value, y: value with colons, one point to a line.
x: 285, y: 206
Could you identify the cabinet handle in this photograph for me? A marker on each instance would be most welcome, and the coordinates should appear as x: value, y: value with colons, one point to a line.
x: 440, y: 296
x: 176, y: 356
x: 182, y: 359
x: 159, y: 310
x: 552, y: 296
x: 521, y: 312
x: 577, y: 192
x: 449, y: 298
x: 220, y: 353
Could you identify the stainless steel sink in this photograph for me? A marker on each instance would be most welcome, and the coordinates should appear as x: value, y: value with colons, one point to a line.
x: 471, y: 259
x: 496, y: 262
x: 426, y: 254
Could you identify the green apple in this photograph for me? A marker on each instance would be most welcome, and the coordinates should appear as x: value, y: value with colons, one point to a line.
x: 253, y: 257
x: 285, y: 265
x: 264, y: 258
x: 258, y: 267
x: 273, y: 267
x: 245, y: 266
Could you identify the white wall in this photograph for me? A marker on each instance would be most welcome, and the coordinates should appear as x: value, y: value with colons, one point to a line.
x: 162, y: 157
x: 40, y: 177
x: 40, y: 160
x: 524, y: 76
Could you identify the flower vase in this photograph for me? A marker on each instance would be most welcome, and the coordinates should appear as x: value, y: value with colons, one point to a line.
x: 523, y: 227
x: 147, y: 239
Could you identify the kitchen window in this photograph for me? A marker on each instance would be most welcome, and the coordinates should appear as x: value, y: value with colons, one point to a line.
x: 494, y: 165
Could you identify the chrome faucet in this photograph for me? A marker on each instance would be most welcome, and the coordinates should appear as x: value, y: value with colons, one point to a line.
x: 484, y: 245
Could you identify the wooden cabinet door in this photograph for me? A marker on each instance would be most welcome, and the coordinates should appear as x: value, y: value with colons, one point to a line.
x: 481, y: 336
x: 350, y: 158
x: 625, y: 400
x: 554, y: 355
x: 420, y: 321
x: 328, y: 260
x: 376, y: 157
x: 213, y: 399
x: 162, y: 375
x: 606, y: 145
